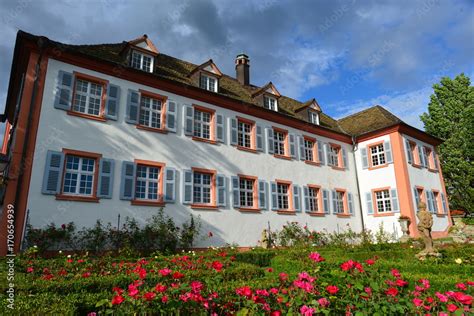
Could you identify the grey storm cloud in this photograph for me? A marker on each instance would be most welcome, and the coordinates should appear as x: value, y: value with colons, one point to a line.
x: 395, y: 43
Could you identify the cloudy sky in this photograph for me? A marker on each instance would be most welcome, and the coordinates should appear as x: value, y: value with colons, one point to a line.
x: 349, y: 55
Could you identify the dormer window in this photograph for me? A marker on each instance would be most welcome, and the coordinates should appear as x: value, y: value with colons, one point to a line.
x: 208, y: 83
x: 313, y: 117
x: 141, y: 61
x: 270, y: 103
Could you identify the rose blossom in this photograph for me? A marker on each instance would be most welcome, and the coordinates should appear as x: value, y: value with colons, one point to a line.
x: 117, y: 299
x: 316, y: 257
x: 332, y: 289
x: 323, y: 302
x: 306, y: 311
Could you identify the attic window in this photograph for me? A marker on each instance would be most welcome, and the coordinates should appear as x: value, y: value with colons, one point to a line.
x: 141, y: 61
x: 270, y: 103
x: 313, y: 117
x: 208, y: 83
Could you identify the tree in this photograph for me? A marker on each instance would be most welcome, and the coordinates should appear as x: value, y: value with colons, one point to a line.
x: 450, y: 117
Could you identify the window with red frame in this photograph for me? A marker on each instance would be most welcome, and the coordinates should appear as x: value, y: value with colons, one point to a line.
x: 88, y: 96
x: 79, y: 176
x: 283, y: 196
x: 313, y: 199
x: 151, y: 112
x: 147, y: 185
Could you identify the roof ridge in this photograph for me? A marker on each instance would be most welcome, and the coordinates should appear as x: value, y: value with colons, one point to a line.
x: 360, y: 112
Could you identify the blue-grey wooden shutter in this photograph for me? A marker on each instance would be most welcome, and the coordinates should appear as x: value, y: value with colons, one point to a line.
x: 306, y: 199
x: 171, y: 116
x: 409, y: 152
x: 105, y: 184
x: 235, y: 191
x: 425, y: 158
x: 63, y: 93
x: 326, y: 203
x: 220, y: 128
x: 296, y: 198
x: 326, y: 149
x: 259, y: 135
x: 344, y: 159
x: 334, y: 201
x: 262, y: 194
x: 233, y: 131
x: 127, y: 185
x: 350, y: 202
x: 187, y: 195
x: 321, y: 157
x: 429, y: 200
x: 394, y: 197
x: 445, y: 205
x: 365, y: 159
x: 270, y: 141
x: 369, y: 203
x: 388, y: 152
x: 435, y: 160
x: 170, y: 185
x: 274, y: 196
x: 417, y: 198
x: 188, y: 120
x: 53, y: 172
x: 112, y: 106
x: 301, y: 148
x: 420, y: 154
x: 221, y: 190
x: 133, y: 107
x: 293, y: 152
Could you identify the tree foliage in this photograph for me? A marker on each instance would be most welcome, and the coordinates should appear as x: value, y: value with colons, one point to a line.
x: 450, y: 117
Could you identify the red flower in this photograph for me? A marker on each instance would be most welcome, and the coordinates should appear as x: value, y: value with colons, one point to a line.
x: 244, y: 291
x: 332, y: 289
x: 132, y: 291
x: 117, y: 299
x: 461, y: 286
x: 417, y: 302
x: 160, y: 288
x: 196, y: 286
x: 275, y: 313
x: 307, y: 311
x: 164, y: 272
x: 30, y: 270
x: 86, y: 274
x: 178, y: 275
x: 270, y: 270
x: 391, y: 292
x: 70, y: 260
x: 316, y: 257
x: 117, y: 290
x: 149, y: 296
x: 370, y: 262
x: 396, y: 273
x: 401, y: 283
x: 164, y: 299
x: 452, y: 308
x: 283, y: 276
x: 216, y: 265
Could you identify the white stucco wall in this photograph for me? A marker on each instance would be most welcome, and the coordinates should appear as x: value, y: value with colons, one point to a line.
x: 122, y: 141
x: 374, y: 179
x: 429, y: 181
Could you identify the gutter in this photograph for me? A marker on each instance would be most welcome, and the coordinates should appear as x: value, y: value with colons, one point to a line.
x: 357, y: 182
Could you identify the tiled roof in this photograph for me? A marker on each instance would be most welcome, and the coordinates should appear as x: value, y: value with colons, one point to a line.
x: 369, y: 120
x: 178, y: 70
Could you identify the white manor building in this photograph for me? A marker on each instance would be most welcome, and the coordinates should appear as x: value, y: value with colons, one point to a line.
x: 94, y: 131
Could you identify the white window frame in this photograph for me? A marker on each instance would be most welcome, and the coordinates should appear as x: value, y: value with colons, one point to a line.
x: 334, y: 152
x: 202, y: 128
x: 313, y: 196
x: 383, y: 201
x: 244, y: 136
x: 246, y: 193
x: 283, y: 196
x: 208, y: 83
x: 147, y: 110
x: 308, y: 149
x: 79, y: 173
x: 87, y: 96
x: 142, y: 64
x: 314, y: 117
x: 202, y: 188
x: 279, y: 141
x: 270, y: 103
x: 377, y: 155
x: 148, y: 180
x: 340, y: 196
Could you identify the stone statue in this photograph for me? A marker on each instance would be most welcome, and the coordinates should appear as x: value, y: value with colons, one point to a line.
x: 424, y: 227
x: 264, y: 241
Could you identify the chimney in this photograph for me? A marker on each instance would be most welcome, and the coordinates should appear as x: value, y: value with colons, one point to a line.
x: 242, y: 69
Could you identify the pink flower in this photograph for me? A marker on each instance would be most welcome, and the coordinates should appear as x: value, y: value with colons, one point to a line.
x: 462, y: 298
x: 132, y: 290
x: 368, y: 290
x: 274, y: 290
x: 391, y: 292
x: 306, y: 311
x: 117, y: 299
x: 332, y: 289
x: 370, y: 262
x: 160, y: 288
x: 283, y: 276
x: 165, y: 271
x: 196, y: 286
x: 316, y: 257
x: 142, y: 273
x: 244, y: 291
x: 401, y: 283
x: 395, y: 273
x: 441, y: 297
x: 351, y: 264
x: 275, y: 313
x: 452, y: 308
x: 304, y: 285
x: 417, y: 302
x: 149, y: 296
x: 324, y: 302
x: 164, y: 299
x: 443, y: 314
x: 461, y: 286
